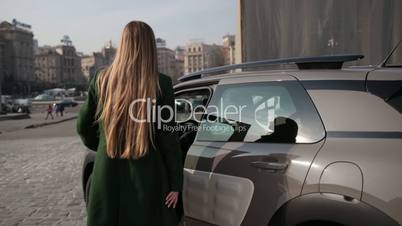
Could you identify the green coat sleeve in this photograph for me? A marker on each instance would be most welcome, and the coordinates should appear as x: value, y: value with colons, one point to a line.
x: 168, y: 141
x: 87, y: 127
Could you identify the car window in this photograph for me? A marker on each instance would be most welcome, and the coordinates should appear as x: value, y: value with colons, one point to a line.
x: 269, y: 112
x: 190, y: 104
x: 389, y: 90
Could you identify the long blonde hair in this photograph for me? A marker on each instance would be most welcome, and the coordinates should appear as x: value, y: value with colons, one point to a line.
x: 133, y: 75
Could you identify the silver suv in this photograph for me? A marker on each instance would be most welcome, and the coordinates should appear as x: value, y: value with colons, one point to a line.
x: 317, y: 145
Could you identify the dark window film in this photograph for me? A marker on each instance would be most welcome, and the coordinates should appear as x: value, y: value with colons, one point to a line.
x: 269, y: 112
x: 190, y: 104
x: 395, y: 100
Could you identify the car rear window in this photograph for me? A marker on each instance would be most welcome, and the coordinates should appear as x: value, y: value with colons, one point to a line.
x: 389, y: 90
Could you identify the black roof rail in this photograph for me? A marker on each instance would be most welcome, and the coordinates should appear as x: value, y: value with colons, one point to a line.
x: 316, y: 62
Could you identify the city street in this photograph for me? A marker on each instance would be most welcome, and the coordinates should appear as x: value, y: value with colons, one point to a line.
x: 40, y: 176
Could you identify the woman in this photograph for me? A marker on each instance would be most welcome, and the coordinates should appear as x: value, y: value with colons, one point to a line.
x: 138, y: 170
x: 49, y: 111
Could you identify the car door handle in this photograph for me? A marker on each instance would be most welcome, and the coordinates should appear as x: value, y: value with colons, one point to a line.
x: 269, y: 165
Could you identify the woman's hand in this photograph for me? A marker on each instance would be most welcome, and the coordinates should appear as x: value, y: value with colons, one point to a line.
x: 171, y: 199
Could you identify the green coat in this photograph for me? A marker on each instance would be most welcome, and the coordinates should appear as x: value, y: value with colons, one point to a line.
x: 132, y: 192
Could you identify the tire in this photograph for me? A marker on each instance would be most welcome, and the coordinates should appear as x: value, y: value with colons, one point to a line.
x: 87, y: 189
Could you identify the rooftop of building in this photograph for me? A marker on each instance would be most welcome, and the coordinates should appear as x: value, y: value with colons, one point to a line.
x: 15, y: 26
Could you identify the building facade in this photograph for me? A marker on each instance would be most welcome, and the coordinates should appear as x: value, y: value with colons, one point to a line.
x: 108, y: 52
x: 1, y: 67
x: 180, y: 56
x: 35, y: 46
x: 92, y: 63
x: 200, y: 56
x: 166, y: 59
x: 48, y: 67
x: 71, y: 66
x: 59, y: 66
x: 17, y: 57
x: 228, y: 42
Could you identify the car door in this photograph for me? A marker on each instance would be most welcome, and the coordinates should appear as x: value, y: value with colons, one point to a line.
x: 252, y: 152
x: 190, y: 106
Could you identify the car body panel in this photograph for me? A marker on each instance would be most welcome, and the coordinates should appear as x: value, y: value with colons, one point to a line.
x: 215, y: 197
x: 234, y: 158
x: 357, y: 111
x: 368, y: 154
x: 344, y: 178
x: 364, y: 130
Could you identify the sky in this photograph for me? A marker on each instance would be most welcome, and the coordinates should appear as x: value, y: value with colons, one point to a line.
x: 91, y: 23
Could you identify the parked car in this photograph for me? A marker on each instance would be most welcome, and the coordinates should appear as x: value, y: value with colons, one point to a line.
x: 6, y: 104
x: 44, y: 97
x: 22, y: 105
x: 10, y: 105
x: 68, y: 103
x: 317, y: 145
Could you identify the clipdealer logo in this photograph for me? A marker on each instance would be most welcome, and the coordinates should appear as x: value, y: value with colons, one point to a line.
x: 264, y: 114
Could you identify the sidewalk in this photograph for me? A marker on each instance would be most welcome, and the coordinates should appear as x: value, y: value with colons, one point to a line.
x: 14, y: 116
x: 35, y: 120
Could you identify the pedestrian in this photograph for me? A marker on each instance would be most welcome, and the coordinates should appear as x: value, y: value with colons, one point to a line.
x: 56, y: 109
x: 138, y: 171
x: 49, y: 112
x: 61, y: 109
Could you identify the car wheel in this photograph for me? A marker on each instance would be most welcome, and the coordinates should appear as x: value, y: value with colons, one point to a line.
x: 87, y: 189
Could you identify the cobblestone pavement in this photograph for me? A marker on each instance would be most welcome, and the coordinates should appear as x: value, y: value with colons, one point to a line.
x: 40, y: 179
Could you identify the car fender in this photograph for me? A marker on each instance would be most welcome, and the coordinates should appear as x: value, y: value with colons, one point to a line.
x: 329, y: 207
